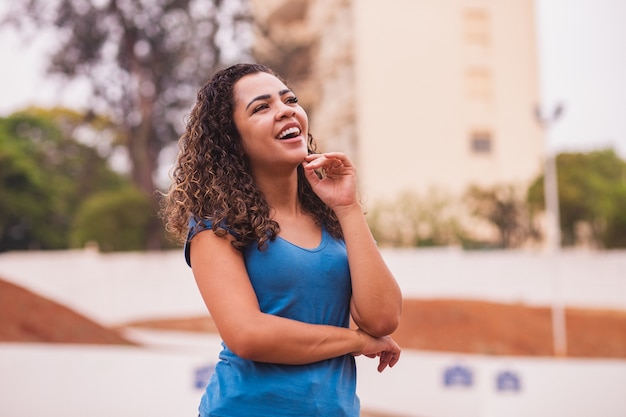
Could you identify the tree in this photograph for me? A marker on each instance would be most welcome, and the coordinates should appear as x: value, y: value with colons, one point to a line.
x: 416, y: 221
x: 592, y: 190
x: 144, y: 61
x: 114, y: 220
x: 615, y: 232
x: 23, y: 195
x: 45, y: 174
x: 502, y: 206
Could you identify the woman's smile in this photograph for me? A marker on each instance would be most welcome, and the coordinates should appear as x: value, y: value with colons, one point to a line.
x: 289, y: 133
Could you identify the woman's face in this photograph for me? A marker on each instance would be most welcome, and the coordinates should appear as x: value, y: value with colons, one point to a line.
x: 272, y: 125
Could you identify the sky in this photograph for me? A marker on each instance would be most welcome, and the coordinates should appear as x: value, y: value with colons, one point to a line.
x: 582, y: 62
x: 582, y: 66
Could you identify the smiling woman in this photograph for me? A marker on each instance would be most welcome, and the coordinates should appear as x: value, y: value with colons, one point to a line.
x: 280, y: 251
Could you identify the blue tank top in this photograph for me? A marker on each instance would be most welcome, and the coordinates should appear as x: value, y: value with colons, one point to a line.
x: 309, y: 285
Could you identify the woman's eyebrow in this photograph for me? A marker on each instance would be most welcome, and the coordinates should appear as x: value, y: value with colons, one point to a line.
x: 261, y: 97
x: 267, y: 96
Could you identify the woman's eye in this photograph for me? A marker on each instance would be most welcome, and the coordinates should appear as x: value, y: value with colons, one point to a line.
x: 292, y: 100
x: 259, y: 108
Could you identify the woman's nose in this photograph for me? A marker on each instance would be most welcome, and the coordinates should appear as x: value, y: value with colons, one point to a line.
x: 285, y: 111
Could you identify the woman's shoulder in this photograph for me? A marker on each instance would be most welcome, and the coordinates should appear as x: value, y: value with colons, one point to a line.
x: 196, y: 225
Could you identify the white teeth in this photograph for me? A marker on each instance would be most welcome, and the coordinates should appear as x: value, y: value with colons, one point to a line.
x: 289, y: 131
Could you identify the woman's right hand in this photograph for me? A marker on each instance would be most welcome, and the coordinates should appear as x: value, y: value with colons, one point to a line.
x: 385, y: 348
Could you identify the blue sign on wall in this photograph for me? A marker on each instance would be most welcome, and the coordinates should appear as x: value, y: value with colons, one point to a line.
x: 202, y: 375
x: 508, y: 381
x: 458, y: 376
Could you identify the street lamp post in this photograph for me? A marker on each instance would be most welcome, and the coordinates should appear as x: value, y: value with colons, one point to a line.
x: 550, y: 187
x: 553, y: 231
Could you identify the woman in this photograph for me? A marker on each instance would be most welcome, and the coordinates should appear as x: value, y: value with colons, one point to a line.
x: 280, y: 251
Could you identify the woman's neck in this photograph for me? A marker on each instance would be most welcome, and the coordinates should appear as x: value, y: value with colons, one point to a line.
x: 281, y: 193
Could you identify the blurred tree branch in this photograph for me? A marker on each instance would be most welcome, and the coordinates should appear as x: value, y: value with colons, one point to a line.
x: 144, y: 60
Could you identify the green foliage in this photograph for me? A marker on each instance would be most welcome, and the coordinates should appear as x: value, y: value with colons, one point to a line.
x: 143, y: 60
x: 502, y: 206
x: 615, y: 232
x: 592, y: 191
x: 23, y: 197
x: 45, y: 174
x: 473, y: 222
x: 416, y: 221
x: 115, y: 220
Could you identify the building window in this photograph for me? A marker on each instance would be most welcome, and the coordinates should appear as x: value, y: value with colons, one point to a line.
x: 476, y: 26
x: 478, y: 83
x: 481, y: 142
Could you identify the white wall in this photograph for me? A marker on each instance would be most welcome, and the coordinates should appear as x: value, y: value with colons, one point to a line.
x: 576, y: 278
x: 97, y: 381
x: 109, y: 288
x: 548, y: 387
x: 115, y: 288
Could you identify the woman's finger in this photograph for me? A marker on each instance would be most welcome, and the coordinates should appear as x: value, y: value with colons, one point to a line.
x: 332, y: 159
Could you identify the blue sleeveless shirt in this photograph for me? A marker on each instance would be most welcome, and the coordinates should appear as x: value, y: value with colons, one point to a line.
x: 308, y: 285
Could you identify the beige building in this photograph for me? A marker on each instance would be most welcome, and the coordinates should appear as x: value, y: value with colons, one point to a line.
x: 422, y: 94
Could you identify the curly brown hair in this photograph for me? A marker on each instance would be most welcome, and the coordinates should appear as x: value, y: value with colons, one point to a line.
x: 212, y: 178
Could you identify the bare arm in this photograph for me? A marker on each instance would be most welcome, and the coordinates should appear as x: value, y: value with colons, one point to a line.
x: 376, y: 298
x: 223, y: 281
x: 376, y: 301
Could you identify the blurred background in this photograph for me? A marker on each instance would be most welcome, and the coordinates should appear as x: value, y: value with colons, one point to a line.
x: 491, y: 148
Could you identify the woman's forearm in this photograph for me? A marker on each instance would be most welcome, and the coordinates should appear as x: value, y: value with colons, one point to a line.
x: 376, y: 297
x: 279, y: 340
x: 268, y: 338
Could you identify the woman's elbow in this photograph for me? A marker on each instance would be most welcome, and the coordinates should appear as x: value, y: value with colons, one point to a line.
x: 381, y: 325
x: 243, y: 344
x: 387, y: 327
